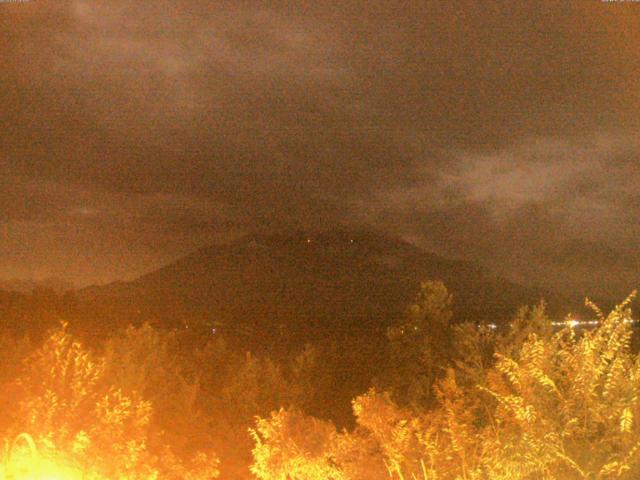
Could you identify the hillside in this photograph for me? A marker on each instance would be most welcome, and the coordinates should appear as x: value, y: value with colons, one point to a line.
x: 272, y: 294
x: 299, y: 287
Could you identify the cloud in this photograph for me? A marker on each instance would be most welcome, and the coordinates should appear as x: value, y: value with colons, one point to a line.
x: 555, y: 211
x: 188, y: 120
x: 574, y: 174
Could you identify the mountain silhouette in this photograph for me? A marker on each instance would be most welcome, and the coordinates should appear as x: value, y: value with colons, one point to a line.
x: 283, y: 290
x: 337, y: 289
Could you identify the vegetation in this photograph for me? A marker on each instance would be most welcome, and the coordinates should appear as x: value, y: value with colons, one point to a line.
x: 454, y: 401
x: 551, y: 406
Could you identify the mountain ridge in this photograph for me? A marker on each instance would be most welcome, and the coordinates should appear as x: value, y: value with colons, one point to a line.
x: 345, y: 279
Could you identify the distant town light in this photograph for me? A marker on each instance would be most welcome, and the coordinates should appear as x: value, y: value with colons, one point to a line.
x: 583, y: 323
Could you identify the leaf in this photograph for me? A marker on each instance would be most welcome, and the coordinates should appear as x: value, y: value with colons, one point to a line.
x: 626, y: 420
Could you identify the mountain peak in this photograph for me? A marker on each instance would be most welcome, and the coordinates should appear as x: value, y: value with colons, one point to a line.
x: 329, y: 236
x: 337, y: 279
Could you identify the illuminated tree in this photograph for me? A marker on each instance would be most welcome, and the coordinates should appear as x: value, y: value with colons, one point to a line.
x: 561, y: 406
x: 568, y: 407
x: 150, y: 363
x: 67, y: 406
x: 292, y: 446
x: 146, y: 361
x: 235, y: 388
x: 74, y: 409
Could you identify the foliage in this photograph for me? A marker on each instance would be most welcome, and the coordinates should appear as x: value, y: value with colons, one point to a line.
x: 420, y: 346
x: 72, y: 407
x: 234, y: 388
x: 150, y: 363
x: 527, y: 321
x: 568, y: 407
x: 459, y: 401
x: 562, y: 406
x: 292, y: 446
x: 146, y: 361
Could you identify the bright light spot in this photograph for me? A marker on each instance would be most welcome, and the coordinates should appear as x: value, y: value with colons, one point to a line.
x: 24, y: 463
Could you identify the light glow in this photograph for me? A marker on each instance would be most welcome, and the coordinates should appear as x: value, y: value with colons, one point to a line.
x: 23, y: 462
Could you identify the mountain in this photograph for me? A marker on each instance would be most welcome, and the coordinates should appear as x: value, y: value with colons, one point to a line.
x: 337, y: 289
x: 287, y: 289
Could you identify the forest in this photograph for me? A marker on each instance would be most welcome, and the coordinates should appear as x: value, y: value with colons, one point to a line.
x: 446, y: 398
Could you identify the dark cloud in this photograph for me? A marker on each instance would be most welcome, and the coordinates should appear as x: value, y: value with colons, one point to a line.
x: 133, y: 132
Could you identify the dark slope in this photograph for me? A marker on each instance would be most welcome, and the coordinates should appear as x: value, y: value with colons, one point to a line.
x: 300, y: 287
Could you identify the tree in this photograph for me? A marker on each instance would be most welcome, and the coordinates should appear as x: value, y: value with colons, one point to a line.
x: 568, y: 406
x: 549, y: 406
x: 74, y: 407
x: 151, y: 363
x: 292, y: 446
x: 420, y: 347
x: 68, y: 406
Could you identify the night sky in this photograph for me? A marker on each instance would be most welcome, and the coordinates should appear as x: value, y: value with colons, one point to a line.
x: 132, y: 133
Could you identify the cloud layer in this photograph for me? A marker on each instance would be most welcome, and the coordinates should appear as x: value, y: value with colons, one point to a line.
x: 134, y: 132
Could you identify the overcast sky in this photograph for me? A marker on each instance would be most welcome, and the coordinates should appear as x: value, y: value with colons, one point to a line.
x: 133, y: 132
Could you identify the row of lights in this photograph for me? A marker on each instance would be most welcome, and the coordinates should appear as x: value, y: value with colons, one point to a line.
x: 350, y: 240
x: 573, y: 323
